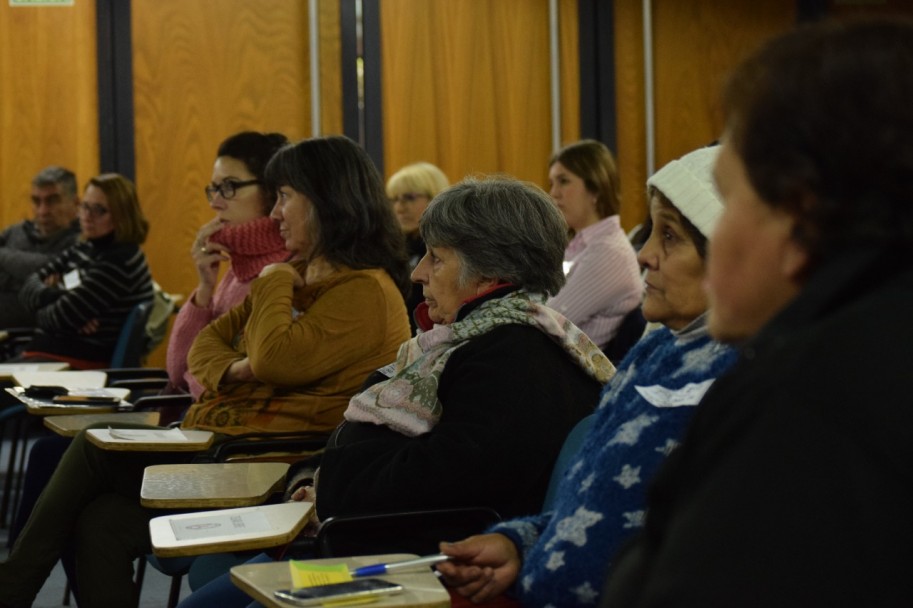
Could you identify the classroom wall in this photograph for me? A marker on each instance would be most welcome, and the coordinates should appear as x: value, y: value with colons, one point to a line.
x: 695, y: 44
x: 465, y: 84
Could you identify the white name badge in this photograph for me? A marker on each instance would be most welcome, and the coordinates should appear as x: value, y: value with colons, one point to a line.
x: 71, y: 279
x: 660, y: 396
x: 388, y: 370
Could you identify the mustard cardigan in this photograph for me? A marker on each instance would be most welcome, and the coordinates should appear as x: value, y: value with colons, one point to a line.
x: 309, y: 348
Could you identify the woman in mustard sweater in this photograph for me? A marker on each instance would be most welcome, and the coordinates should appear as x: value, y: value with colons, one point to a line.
x: 289, y: 357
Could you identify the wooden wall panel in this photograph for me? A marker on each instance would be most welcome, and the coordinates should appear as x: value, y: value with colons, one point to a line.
x: 48, y: 98
x: 330, y: 68
x: 569, y: 41
x: 203, y: 70
x: 695, y: 45
x: 631, y: 117
x: 466, y: 85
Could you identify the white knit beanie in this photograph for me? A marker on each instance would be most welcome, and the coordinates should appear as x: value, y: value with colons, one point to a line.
x: 688, y: 184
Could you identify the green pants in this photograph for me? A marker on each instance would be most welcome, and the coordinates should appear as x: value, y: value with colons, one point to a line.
x: 92, y: 503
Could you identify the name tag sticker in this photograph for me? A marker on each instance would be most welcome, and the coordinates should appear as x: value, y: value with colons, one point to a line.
x: 660, y: 396
x: 388, y: 370
x: 71, y: 279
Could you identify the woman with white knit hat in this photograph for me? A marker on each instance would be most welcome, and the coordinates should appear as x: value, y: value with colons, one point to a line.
x: 560, y: 557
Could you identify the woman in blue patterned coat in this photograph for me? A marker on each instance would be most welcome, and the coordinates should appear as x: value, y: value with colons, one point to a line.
x: 559, y: 558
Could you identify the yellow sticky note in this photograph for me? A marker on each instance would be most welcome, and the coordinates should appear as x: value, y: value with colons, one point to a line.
x: 305, y: 574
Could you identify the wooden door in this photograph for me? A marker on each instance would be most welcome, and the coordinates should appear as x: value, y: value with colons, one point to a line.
x: 48, y: 98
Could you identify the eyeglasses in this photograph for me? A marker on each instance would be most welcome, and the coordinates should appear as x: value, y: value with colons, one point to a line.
x: 227, y: 189
x: 407, y: 198
x: 94, y: 210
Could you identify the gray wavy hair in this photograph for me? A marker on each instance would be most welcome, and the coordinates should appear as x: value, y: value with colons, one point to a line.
x: 500, y: 228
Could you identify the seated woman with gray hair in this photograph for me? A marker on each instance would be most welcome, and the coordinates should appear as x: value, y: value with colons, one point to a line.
x: 479, y: 403
x: 476, y: 407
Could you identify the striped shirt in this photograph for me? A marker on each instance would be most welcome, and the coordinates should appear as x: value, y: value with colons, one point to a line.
x: 603, y: 280
x: 112, y: 278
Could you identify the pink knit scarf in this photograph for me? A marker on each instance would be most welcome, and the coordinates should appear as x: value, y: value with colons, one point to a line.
x: 253, y: 245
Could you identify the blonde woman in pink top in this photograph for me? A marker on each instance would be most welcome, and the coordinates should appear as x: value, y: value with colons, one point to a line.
x: 241, y: 234
x: 603, y: 277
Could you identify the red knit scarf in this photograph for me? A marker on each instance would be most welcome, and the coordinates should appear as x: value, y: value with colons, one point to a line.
x: 253, y: 245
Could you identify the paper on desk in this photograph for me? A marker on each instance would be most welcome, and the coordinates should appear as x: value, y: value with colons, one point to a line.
x: 118, y: 393
x: 19, y: 367
x: 305, y: 574
x: 148, y: 435
x: 66, y: 379
x: 208, y: 526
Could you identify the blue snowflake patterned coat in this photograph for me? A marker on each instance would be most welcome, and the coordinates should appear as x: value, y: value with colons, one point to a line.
x: 642, y: 414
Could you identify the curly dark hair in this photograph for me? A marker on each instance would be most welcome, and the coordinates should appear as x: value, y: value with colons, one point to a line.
x: 355, y: 225
x: 254, y: 149
x: 822, y: 118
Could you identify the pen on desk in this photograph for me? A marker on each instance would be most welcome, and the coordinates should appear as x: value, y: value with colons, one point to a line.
x: 377, y: 569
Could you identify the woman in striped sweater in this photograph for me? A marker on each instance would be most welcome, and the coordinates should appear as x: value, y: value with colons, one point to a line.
x: 82, y: 298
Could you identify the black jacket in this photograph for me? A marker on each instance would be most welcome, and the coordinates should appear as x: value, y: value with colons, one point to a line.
x: 509, y: 399
x: 794, y: 484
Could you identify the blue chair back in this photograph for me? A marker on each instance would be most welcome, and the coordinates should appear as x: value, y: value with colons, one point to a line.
x: 131, y: 343
x: 569, y: 449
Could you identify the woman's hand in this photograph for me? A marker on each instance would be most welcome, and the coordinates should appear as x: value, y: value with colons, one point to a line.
x: 283, y: 267
x: 304, y: 493
x: 308, y: 494
x: 482, y: 567
x: 89, y: 328
x: 207, y: 257
x: 317, y: 270
x: 239, y: 371
x: 51, y: 280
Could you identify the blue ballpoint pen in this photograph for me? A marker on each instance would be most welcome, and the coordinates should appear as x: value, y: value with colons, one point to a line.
x: 377, y: 569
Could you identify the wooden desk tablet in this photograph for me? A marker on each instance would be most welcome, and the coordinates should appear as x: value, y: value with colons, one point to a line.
x: 215, y: 485
x: 241, y: 529
x: 150, y: 440
x: 66, y: 379
x: 46, y: 407
x: 421, y: 589
x: 70, y: 425
x: 8, y: 369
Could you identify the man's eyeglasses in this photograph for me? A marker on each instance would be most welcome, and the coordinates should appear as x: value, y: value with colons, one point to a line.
x: 227, y: 189
x: 407, y: 198
x: 93, y: 210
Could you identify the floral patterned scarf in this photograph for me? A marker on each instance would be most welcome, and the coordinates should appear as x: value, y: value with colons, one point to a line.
x: 408, y: 403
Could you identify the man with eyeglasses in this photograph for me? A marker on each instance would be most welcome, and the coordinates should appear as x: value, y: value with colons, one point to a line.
x: 27, y: 246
